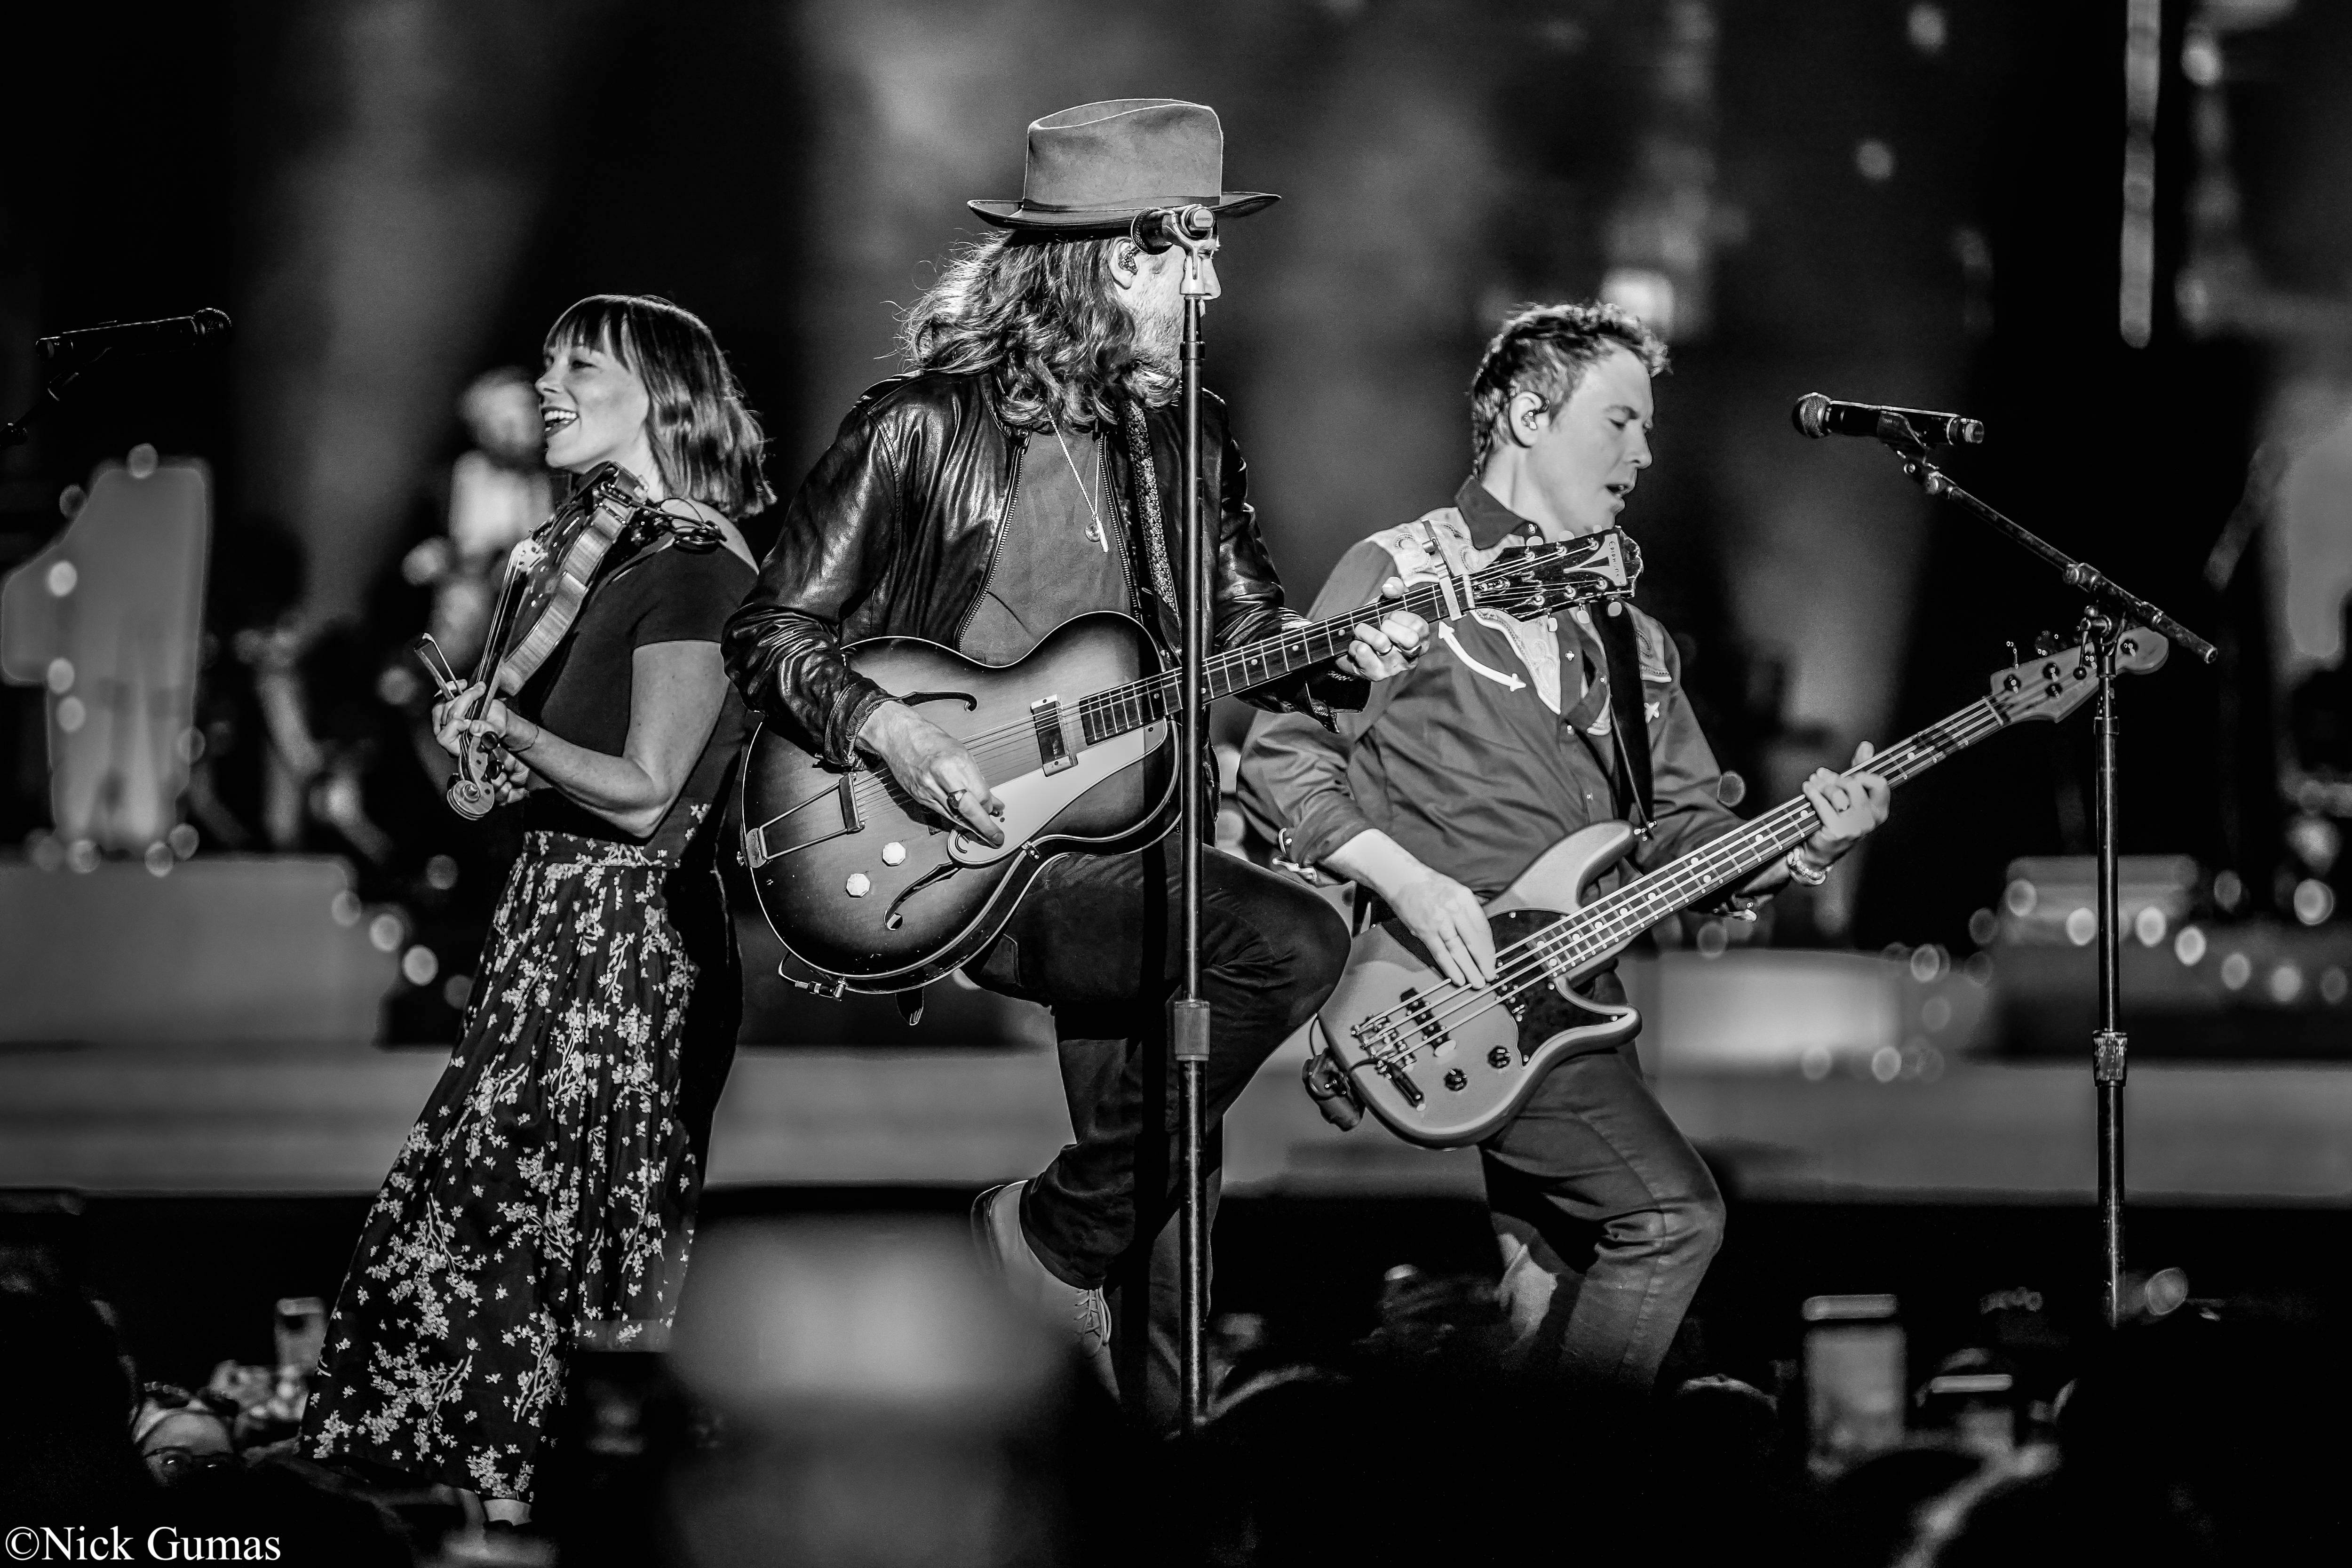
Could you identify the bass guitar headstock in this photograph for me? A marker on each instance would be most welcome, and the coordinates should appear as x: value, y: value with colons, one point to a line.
x: 2053, y: 685
x: 1558, y: 573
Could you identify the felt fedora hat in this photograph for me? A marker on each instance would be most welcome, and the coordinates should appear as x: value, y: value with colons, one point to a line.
x: 1097, y: 165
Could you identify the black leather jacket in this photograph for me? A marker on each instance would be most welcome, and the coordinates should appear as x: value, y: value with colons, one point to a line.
x: 892, y: 533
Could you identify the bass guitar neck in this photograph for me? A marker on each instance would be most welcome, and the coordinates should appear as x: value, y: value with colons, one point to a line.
x: 1444, y: 1065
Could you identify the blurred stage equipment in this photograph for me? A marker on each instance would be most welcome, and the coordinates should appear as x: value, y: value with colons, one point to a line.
x: 2202, y: 989
x: 108, y: 619
x: 2110, y: 620
x: 1816, y: 416
x: 76, y: 351
x: 228, y: 949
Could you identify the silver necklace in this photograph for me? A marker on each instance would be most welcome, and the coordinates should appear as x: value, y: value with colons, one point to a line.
x: 1097, y: 532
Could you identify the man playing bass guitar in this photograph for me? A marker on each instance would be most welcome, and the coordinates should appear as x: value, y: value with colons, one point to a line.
x: 1455, y: 777
x: 1028, y: 468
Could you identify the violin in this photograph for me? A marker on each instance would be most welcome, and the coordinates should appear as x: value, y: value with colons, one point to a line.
x: 548, y: 577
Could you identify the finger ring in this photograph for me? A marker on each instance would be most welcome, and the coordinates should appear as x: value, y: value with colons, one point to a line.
x: 954, y: 796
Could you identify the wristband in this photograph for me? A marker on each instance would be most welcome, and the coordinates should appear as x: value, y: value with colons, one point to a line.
x: 1802, y: 871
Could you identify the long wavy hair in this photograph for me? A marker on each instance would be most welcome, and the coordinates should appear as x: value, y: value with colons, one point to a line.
x: 706, y: 442
x: 1041, y: 313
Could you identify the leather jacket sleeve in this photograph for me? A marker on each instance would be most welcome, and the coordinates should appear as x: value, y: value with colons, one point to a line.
x: 1247, y: 597
x: 840, y: 533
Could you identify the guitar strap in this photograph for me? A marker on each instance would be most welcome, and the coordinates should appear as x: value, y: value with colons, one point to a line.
x: 1631, y: 780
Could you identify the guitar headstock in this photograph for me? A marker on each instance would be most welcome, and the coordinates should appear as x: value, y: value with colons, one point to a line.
x: 1558, y: 573
x: 2053, y: 685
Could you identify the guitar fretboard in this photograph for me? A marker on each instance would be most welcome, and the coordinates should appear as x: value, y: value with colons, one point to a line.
x: 1616, y: 917
x: 1130, y: 707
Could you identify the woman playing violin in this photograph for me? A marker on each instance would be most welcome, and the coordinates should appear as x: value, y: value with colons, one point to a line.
x: 544, y: 1200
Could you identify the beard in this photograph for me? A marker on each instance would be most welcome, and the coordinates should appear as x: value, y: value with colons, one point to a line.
x: 1156, y: 340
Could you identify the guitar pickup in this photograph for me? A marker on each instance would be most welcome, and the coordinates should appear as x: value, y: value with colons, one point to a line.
x: 1045, y: 716
x: 1426, y: 1025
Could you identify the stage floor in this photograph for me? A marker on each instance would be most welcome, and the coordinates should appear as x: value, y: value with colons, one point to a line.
x: 281, y: 1118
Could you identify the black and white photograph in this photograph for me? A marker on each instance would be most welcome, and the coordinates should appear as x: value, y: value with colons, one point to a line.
x: 1017, y: 784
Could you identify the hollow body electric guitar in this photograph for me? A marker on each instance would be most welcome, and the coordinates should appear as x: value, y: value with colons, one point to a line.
x: 871, y: 891
x: 1445, y: 1065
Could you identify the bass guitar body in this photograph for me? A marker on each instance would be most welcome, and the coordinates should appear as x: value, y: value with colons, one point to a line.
x: 1443, y: 1065
x: 874, y: 893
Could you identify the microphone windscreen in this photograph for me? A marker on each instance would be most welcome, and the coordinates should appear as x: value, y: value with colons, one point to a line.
x: 1810, y: 416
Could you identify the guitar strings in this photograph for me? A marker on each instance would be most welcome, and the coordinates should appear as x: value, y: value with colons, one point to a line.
x: 1588, y: 935
x: 1010, y: 744
x: 1536, y: 958
x: 1011, y: 738
x: 1713, y: 864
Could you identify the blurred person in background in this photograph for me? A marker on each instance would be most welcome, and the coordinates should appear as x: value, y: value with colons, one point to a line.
x: 1455, y: 777
x: 1025, y: 470
x: 545, y: 1201
x: 498, y: 493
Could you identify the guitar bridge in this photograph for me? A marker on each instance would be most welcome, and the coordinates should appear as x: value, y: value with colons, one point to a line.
x: 1388, y: 1051
x: 1403, y: 1080
x: 780, y: 835
x: 1046, y: 716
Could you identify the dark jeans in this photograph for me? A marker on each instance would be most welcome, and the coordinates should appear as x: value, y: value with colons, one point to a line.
x: 1607, y: 1218
x: 1096, y: 941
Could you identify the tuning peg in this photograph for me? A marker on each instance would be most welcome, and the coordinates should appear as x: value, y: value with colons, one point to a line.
x: 2015, y: 657
x: 2046, y: 644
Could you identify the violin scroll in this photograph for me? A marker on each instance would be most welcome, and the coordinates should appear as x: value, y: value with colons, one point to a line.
x: 470, y: 794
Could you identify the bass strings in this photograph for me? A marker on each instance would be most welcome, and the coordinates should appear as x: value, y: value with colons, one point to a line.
x: 1612, y: 919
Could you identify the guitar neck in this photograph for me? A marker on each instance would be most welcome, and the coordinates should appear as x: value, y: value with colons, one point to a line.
x: 1616, y: 917
x: 1263, y: 662
x: 1267, y: 661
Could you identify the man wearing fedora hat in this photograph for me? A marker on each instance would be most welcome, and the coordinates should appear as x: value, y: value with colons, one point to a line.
x: 1026, y: 469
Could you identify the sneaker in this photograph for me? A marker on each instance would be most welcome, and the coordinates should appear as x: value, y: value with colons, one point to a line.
x: 996, y: 1231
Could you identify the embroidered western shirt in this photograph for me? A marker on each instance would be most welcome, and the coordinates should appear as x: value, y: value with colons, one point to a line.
x: 1492, y: 747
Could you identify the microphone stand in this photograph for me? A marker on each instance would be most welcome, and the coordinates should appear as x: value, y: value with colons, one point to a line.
x: 2111, y: 610
x: 17, y: 431
x: 1188, y: 1032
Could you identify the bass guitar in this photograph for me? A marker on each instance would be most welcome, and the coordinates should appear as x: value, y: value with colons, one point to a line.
x: 871, y: 891
x: 1445, y: 1065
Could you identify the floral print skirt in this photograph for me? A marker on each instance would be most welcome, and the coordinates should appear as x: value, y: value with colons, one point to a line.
x: 544, y: 1200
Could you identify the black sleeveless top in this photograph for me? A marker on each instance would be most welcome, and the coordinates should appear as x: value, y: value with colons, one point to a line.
x: 669, y: 594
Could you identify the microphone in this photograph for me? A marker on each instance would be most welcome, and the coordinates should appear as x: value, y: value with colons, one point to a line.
x: 1156, y: 230
x: 1816, y: 416
x: 170, y: 332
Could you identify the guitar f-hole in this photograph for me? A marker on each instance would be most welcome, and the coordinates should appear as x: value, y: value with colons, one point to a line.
x: 891, y: 918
